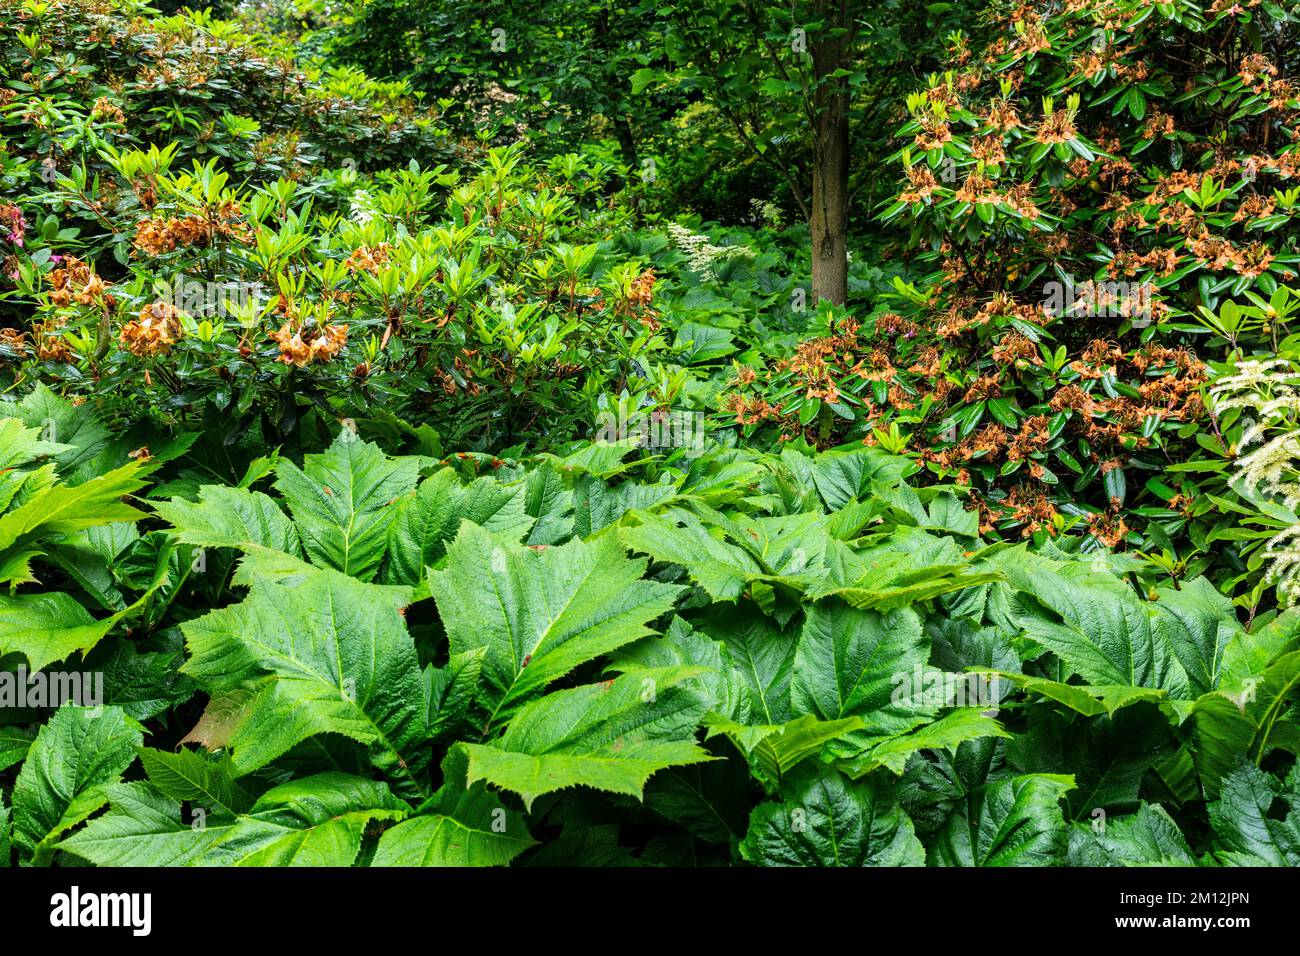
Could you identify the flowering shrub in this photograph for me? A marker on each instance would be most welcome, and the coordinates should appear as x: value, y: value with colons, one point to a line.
x: 1084, y: 184
x: 504, y: 307
x: 92, y: 80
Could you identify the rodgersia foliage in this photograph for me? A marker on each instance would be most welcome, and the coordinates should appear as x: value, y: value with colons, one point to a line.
x: 378, y: 492
x: 777, y: 659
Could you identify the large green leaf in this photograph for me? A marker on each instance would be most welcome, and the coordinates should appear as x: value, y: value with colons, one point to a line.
x: 854, y: 663
x: 759, y: 659
x: 1198, y: 622
x: 1148, y: 837
x: 597, y: 505
x: 459, y: 826
x: 426, y: 522
x: 142, y: 828
x: 58, y: 420
x: 540, y: 613
x: 841, y: 476
x: 20, y: 445
x: 773, y: 750
x: 1248, y: 724
x: 315, y: 821
x: 342, y: 502
x: 825, y: 819
x: 14, y: 744
x: 1249, y: 832
x: 59, y: 509
x: 1096, y: 625
x: 74, y: 757
x: 679, y: 537
x: 1108, y: 757
x: 683, y: 645
x: 709, y: 800
x: 949, y: 732
x: 610, y: 736
x: 47, y: 627
x: 451, y: 690
x: 1013, y: 822
x: 206, y: 782
x: 226, y: 517
x: 323, y: 655
x: 773, y: 559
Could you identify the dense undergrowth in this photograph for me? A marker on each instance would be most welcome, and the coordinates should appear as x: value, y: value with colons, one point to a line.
x: 376, y: 489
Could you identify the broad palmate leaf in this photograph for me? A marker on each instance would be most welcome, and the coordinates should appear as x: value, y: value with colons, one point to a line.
x: 226, y: 517
x: 849, y: 663
x: 59, y: 509
x: 540, y: 613
x: 324, y: 654
x: 74, y: 757
x: 825, y: 819
x: 342, y: 502
x: 1012, y: 822
x: 1096, y: 625
x: 1249, y: 831
x: 459, y: 826
x: 427, y: 521
x: 609, y: 736
x: 1145, y: 838
x: 316, y: 821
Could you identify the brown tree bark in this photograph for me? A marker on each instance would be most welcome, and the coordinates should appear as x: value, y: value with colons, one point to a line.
x: 828, y: 220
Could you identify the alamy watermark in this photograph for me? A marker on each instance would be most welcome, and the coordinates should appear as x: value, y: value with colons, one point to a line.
x: 203, y: 299
x: 926, y: 687
x: 52, y: 689
x: 133, y: 911
x: 658, y: 428
x: 1100, y: 299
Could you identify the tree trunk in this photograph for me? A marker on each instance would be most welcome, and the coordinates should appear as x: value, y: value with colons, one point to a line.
x: 829, y: 219
x: 626, y: 143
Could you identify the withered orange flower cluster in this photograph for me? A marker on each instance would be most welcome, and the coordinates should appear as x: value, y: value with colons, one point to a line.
x: 305, y: 345
x: 75, y: 281
x: 750, y: 410
x: 816, y: 362
x: 153, y: 237
x: 369, y: 258
x: 155, y: 330
x: 638, y: 304
x: 923, y: 184
x: 1057, y: 128
x: 1026, y: 505
x: 106, y: 109
x: 13, y: 340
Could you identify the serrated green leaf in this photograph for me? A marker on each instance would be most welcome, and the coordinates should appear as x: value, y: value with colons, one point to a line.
x: 459, y: 826
x: 1148, y: 837
x: 226, y: 517
x: 824, y: 819
x: 425, y: 524
x: 540, y: 613
x: 1248, y: 831
x: 610, y: 736
x: 208, y: 782
x: 342, y: 503
x: 1013, y: 822
x: 74, y: 757
x: 324, y: 655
